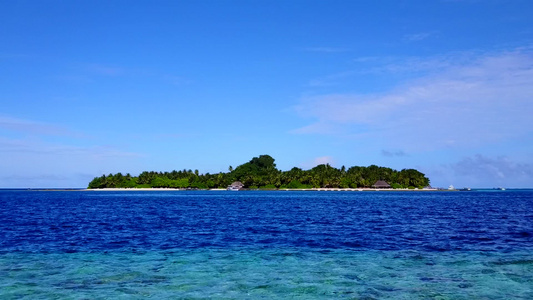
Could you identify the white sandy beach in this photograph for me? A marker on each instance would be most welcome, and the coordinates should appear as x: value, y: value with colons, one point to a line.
x: 312, y: 189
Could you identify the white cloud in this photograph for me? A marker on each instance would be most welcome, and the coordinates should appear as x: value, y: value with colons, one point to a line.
x: 320, y: 128
x: 486, y: 100
x: 34, y: 127
x: 13, y: 56
x: 37, y: 147
x: 326, y: 49
x: 105, y: 70
x: 398, y: 153
x: 487, y: 171
x: 38, y: 154
x: 415, y: 37
x: 33, y: 163
x: 322, y: 160
x: 178, y: 80
x: 405, y: 65
x: 330, y: 80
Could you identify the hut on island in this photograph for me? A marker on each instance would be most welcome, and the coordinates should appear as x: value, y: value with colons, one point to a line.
x: 381, y: 184
x: 237, y: 185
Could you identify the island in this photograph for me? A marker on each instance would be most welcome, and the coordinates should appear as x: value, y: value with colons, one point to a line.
x: 261, y: 173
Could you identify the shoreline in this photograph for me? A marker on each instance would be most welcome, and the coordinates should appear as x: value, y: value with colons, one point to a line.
x: 289, y: 190
x: 273, y: 190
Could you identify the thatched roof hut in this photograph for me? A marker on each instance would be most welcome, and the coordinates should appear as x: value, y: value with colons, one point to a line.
x: 381, y: 184
x: 237, y: 185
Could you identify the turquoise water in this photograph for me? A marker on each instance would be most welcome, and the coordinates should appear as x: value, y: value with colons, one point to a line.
x: 266, y: 245
x: 267, y: 274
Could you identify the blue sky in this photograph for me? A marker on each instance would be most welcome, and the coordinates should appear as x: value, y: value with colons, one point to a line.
x: 94, y: 87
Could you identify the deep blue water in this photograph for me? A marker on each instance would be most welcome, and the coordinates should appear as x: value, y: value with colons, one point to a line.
x: 430, y: 221
x: 111, y: 244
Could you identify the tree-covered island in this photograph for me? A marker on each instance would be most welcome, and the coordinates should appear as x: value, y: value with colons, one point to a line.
x: 261, y: 173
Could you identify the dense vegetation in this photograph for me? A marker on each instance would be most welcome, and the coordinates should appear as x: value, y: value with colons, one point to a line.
x: 261, y: 172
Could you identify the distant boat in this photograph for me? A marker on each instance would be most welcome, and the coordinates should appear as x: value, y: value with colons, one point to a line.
x: 501, y: 189
x: 451, y: 187
x: 466, y: 189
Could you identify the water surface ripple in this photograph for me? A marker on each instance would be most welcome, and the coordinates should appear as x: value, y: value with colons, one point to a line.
x: 266, y: 245
x: 85, y: 221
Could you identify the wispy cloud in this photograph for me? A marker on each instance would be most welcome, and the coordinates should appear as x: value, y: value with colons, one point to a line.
x: 24, y: 140
x: 495, y: 171
x: 4, y: 55
x: 178, y: 80
x: 35, y: 127
x: 45, y: 180
x: 105, y: 70
x: 165, y: 136
x: 316, y: 128
x: 423, y: 66
x: 326, y: 49
x: 36, y: 147
x: 398, y: 153
x: 415, y: 37
x: 32, y: 162
x: 39, y: 177
x: 322, y: 160
x: 329, y: 80
x: 495, y: 168
x: 465, y: 103
x: 91, y: 71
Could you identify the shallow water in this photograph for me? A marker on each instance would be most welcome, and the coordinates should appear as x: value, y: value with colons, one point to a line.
x: 266, y: 245
x: 267, y: 274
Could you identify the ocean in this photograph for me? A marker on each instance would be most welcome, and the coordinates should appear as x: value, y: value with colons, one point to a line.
x: 266, y: 245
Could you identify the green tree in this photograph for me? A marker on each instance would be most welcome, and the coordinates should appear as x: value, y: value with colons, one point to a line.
x: 261, y: 172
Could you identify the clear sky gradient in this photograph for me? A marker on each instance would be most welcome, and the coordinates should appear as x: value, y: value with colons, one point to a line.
x: 94, y: 87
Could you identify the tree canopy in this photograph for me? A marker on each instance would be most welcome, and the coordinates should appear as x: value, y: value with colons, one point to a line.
x: 261, y: 173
